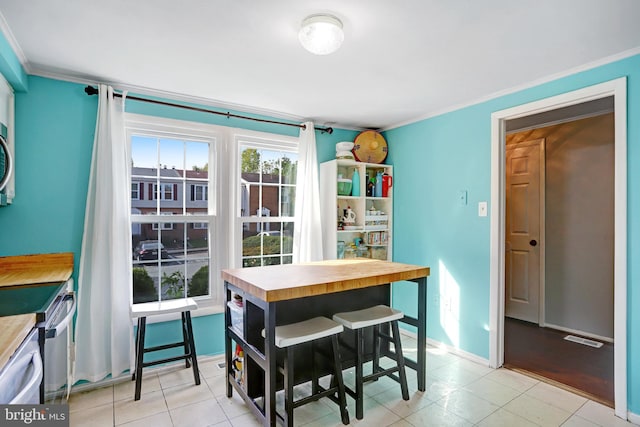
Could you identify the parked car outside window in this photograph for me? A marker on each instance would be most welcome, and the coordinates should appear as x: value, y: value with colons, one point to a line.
x: 148, y: 250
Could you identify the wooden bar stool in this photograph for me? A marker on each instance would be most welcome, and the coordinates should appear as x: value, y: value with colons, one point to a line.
x: 141, y: 311
x: 374, y: 317
x: 289, y: 337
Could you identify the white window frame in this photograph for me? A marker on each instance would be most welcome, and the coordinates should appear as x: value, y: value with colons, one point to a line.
x: 257, y: 140
x: 137, y: 124
x: 224, y: 222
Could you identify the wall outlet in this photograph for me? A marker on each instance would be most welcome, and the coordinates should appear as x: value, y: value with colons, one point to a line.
x: 482, y: 209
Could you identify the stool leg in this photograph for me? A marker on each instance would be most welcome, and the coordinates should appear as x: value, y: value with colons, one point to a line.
x: 359, y: 375
x: 338, y: 376
x: 192, y: 348
x: 185, y: 338
x: 137, y: 345
x: 376, y: 349
x: 142, y: 325
x: 314, y: 369
x: 288, y: 387
x: 400, y: 360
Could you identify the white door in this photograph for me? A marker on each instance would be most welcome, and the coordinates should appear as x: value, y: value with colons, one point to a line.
x: 523, y: 225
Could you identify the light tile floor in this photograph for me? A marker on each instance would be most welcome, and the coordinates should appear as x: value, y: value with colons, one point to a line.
x: 459, y: 393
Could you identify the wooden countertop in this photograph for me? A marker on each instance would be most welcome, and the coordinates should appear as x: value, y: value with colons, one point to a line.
x: 39, y: 268
x: 13, y: 330
x: 290, y: 281
x: 28, y: 270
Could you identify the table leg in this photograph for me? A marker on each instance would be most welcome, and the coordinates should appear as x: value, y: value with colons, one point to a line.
x: 272, y: 370
x: 422, y: 333
x: 227, y: 341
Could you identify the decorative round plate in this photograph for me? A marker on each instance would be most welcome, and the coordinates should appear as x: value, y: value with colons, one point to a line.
x: 370, y: 147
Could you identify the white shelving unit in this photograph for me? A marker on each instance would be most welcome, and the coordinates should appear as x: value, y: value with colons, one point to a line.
x: 373, y: 230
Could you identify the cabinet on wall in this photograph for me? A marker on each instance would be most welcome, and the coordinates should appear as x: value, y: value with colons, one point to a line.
x: 369, y: 236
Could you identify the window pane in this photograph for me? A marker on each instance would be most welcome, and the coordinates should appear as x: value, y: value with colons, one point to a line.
x: 252, y: 246
x: 198, y: 239
x: 144, y: 152
x: 270, y: 203
x: 289, y: 166
x: 253, y: 202
x: 173, y: 280
x: 144, y: 174
x: 288, y: 201
x: 147, y: 243
x: 272, y: 261
x: 197, y: 176
x: 287, y: 238
x: 250, y: 164
x: 197, y: 158
x: 145, y: 287
x: 267, y: 240
x: 198, y: 278
x: 171, y: 156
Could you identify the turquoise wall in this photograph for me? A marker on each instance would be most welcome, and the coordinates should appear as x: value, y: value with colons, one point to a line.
x: 433, y: 159
x: 10, y: 66
x: 54, y: 130
x: 436, y: 158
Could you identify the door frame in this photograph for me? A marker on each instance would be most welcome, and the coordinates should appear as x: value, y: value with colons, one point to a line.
x: 542, y: 146
x: 618, y: 89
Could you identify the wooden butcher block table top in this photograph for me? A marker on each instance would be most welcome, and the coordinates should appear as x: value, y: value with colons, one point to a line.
x: 290, y: 281
x: 39, y: 268
x: 13, y: 330
x: 28, y: 270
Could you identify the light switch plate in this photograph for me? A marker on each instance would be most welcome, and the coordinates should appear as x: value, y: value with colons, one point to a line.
x: 462, y: 197
x: 482, y: 208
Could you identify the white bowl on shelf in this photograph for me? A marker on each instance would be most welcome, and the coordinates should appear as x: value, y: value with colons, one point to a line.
x: 344, y: 146
x: 343, y: 150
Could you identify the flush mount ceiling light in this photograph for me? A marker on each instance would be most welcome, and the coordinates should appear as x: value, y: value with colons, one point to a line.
x: 321, y: 34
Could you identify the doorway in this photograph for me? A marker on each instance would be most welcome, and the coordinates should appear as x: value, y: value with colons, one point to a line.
x: 616, y: 88
x: 559, y: 249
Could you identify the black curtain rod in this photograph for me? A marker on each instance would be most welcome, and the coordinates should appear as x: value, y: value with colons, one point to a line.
x: 90, y: 90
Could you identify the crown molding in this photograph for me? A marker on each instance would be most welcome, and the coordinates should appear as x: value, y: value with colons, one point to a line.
x: 51, y: 73
x: 584, y: 67
x: 13, y: 42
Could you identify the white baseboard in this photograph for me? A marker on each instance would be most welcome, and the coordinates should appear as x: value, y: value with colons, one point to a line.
x: 127, y: 377
x: 449, y: 349
x: 577, y: 332
x: 633, y: 418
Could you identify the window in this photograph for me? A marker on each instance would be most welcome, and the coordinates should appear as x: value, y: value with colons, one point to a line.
x: 167, y: 191
x: 204, y: 198
x: 199, y: 192
x: 163, y: 225
x: 267, y: 176
x: 172, y: 257
x: 135, y: 191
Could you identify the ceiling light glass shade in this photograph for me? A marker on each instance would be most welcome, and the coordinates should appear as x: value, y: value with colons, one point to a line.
x: 321, y: 34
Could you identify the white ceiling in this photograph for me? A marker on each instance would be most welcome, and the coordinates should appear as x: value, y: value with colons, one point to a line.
x: 400, y: 61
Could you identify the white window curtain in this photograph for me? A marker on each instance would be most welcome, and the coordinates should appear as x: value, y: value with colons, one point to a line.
x: 103, y: 333
x: 307, y: 230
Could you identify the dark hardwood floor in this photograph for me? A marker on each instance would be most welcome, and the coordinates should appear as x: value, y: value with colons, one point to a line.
x: 545, y: 353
